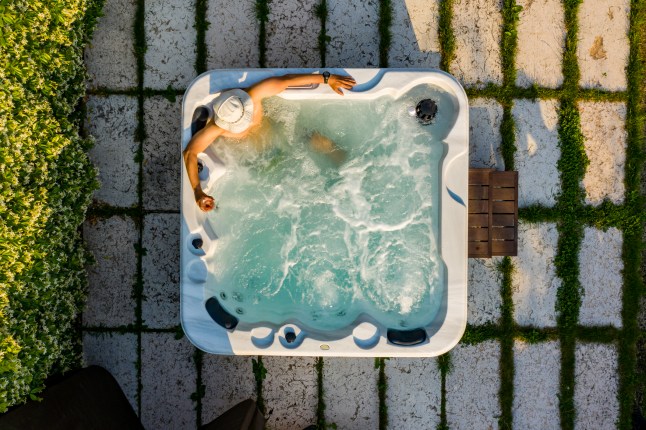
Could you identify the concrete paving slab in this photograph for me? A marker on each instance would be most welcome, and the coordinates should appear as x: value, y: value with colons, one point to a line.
x: 170, y: 39
x: 484, y: 291
x: 541, y: 40
x: 600, y: 273
x: 160, y: 269
x: 537, y: 152
x: 603, y: 45
x: 603, y: 126
x: 477, y: 25
x: 168, y: 378
x: 414, y: 393
x: 162, y: 155
x: 229, y: 380
x: 536, y: 385
x: 292, y: 34
x: 232, y: 20
x: 597, y: 385
x: 353, y: 28
x: 485, y: 117
x: 110, y: 56
x: 350, y: 389
x: 415, y: 41
x: 112, y: 120
x: 290, y: 392
x: 472, y: 387
x: 534, y: 282
x: 111, y: 280
x: 117, y: 353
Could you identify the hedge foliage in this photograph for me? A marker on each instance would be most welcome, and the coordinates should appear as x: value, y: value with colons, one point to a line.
x: 46, y: 186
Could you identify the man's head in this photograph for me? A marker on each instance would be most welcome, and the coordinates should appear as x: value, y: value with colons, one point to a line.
x: 233, y: 110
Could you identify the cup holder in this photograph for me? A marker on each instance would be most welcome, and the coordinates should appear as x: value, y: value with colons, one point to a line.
x: 291, y: 336
x: 366, y: 335
x: 197, y: 244
x: 262, y: 337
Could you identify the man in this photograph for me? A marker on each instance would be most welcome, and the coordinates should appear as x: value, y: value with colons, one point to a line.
x: 238, y: 113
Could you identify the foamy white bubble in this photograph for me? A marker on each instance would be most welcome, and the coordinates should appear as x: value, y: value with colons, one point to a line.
x: 405, y: 304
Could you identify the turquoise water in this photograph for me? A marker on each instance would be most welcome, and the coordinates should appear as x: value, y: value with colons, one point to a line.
x: 302, y: 237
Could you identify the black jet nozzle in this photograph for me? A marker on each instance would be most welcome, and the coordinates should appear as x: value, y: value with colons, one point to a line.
x: 426, y: 111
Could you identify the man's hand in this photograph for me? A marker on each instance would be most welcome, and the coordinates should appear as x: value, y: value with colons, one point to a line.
x: 205, y: 202
x: 198, y: 143
x: 336, y: 82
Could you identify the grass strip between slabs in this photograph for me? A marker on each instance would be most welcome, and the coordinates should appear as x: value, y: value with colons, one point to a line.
x: 571, y: 166
x: 382, y: 387
x: 444, y: 366
x: 633, y: 245
x: 139, y: 29
x: 201, y: 25
x: 385, y: 33
x: 260, y: 373
x: 321, y: 12
x: 262, y: 15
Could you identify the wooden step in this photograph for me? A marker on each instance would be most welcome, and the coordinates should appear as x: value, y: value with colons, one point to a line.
x: 493, y: 213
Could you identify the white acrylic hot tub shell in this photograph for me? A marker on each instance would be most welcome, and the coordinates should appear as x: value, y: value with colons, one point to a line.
x: 444, y: 332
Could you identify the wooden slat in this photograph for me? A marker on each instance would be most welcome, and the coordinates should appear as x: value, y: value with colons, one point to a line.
x: 504, y: 247
x: 507, y: 207
x: 478, y: 192
x: 490, y: 214
x: 503, y: 179
x: 501, y: 233
x: 478, y: 206
x: 502, y: 220
x: 479, y: 176
x: 478, y: 220
x: 479, y: 249
x: 502, y: 194
x: 478, y: 234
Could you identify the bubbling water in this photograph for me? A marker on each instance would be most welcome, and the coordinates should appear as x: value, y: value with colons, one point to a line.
x: 301, y: 238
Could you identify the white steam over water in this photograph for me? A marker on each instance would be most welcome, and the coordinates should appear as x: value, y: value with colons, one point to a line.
x: 301, y: 237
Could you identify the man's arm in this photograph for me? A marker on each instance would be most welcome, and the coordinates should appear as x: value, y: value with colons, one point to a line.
x: 199, y: 142
x: 272, y: 86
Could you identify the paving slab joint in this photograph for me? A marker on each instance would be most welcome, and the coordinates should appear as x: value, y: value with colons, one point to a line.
x: 200, y: 387
x: 446, y: 35
x: 320, y: 406
x: 321, y: 12
x: 630, y: 387
x: 262, y: 15
x: 382, y: 388
x: 260, y: 373
x: 385, y: 33
x: 201, y: 25
x: 444, y: 366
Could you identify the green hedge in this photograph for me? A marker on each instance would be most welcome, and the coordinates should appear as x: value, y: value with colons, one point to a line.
x: 46, y: 185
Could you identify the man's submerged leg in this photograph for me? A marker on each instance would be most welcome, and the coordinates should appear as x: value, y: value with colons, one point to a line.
x: 323, y: 145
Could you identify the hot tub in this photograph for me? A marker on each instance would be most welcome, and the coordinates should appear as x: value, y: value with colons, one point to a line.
x: 363, y: 257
